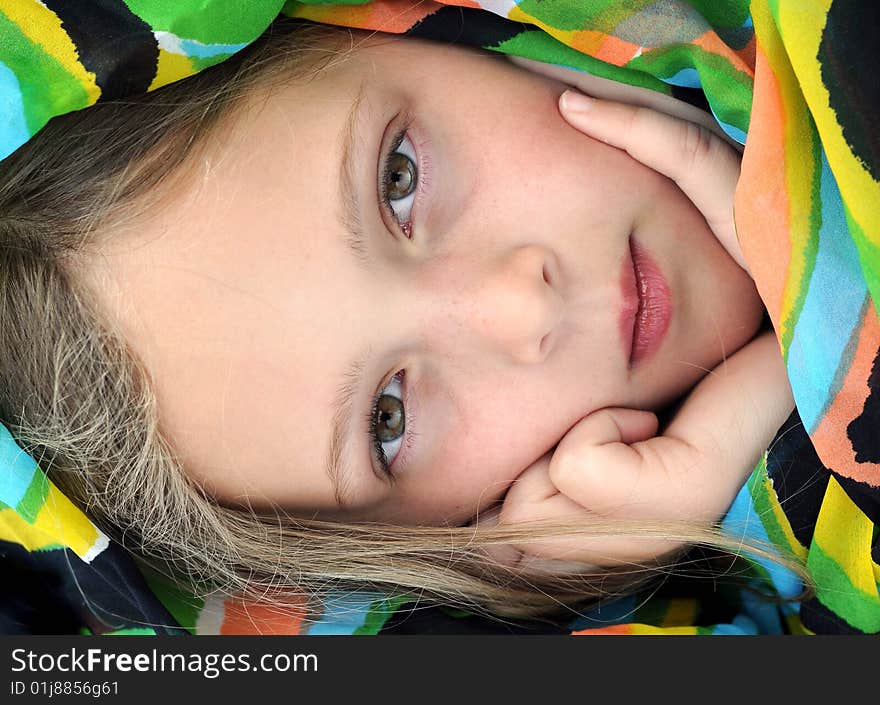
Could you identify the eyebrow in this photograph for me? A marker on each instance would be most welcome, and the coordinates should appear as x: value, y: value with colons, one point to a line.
x: 341, y: 426
x: 350, y: 214
x: 340, y: 476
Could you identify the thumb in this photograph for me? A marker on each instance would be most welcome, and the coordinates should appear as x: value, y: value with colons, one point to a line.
x: 595, y: 463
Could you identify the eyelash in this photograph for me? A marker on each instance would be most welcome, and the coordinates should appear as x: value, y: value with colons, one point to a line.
x: 394, y: 147
x: 376, y: 442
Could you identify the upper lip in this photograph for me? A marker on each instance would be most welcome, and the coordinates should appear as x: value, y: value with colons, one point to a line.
x: 631, y: 298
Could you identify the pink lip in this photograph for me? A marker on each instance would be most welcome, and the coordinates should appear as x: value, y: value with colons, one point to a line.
x: 647, y: 305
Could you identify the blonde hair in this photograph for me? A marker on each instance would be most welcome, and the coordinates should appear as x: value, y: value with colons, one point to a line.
x: 77, y: 399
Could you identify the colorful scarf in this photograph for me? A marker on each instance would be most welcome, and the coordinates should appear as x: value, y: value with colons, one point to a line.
x: 790, y: 80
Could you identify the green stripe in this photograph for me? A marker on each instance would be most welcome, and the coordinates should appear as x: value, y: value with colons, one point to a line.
x: 34, y: 498
x: 652, y: 611
x: 183, y: 606
x: 811, y: 249
x: 599, y: 15
x: 379, y: 613
x: 835, y: 590
x: 869, y: 254
x: 727, y: 89
x: 202, y: 63
x: 540, y: 46
x: 132, y: 631
x: 47, y: 88
x: 291, y: 5
x: 50, y: 547
x: 208, y: 21
x: 730, y: 13
x: 764, y: 504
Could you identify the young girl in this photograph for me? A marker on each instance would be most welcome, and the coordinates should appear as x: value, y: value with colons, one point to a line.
x: 300, y: 322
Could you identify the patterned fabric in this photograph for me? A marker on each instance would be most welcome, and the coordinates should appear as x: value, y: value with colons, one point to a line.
x: 791, y: 80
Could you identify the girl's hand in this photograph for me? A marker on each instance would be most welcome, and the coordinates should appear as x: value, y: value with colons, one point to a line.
x: 613, y: 464
x: 670, y: 136
x: 703, y: 166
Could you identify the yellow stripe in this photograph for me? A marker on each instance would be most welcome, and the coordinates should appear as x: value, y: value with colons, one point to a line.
x: 43, y: 28
x: 647, y: 629
x: 844, y: 533
x: 680, y: 613
x: 171, y: 67
x: 802, y: 25
x: 795, y: 626
x: 61, y: 519
x: 781, y: 519
x: 59, y: 523
x: 796, y: 142
x: 16, y: 530
x: 585, y: 40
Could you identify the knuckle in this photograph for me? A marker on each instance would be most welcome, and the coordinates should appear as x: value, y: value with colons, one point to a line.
x: 563, y: 465
x: 505, y: 554
x: 698, y: 144
x: 513, y: 512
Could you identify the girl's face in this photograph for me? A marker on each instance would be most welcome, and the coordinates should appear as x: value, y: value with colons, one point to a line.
x: 416, y: 225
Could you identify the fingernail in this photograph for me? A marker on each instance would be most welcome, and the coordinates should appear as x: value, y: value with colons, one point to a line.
x: 576, y: 102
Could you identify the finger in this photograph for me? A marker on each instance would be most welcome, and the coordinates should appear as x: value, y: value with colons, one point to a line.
x: 534, y: 498
x: 703, y: 166
x: 614, y: 465
x: 600, y: 465
x: 608, y: 89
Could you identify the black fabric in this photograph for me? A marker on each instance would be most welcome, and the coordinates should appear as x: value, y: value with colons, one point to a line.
x: 54, y: 592
x: 112, y: 42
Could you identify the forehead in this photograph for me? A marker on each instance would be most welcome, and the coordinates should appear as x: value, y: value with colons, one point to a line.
x: 222, y: 293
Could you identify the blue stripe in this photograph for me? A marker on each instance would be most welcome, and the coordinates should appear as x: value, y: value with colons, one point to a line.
x: 13, y: 125
x: 742, y: 521
x: 687, y: 78
x: 732, y: 131
x: 344, y: 613
x: 17, y: 469
x: 764, y: 615
x: 621, y: 611
x: 831, y: 311
x: 206, y: 51
x: 741, y: 626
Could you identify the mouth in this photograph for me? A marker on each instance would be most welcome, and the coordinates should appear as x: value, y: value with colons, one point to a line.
x: 647, y: 305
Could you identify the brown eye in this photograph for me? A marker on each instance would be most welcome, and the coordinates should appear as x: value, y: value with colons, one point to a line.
x: 389, y: 419
x: 401, y: 176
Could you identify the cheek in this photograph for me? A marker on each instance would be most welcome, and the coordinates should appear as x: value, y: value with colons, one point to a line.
x: 498, y: 435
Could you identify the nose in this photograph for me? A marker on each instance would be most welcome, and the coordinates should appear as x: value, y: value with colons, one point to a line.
x: 509, y: 304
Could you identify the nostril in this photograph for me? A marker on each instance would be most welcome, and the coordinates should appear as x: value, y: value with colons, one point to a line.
x: 546, y: 274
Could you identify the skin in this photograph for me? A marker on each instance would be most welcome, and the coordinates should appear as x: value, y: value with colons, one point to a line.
x: 244, y: 302
x: 618, y: 463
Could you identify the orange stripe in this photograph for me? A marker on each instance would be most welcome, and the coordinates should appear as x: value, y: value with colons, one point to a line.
x: 616, y: 51
x: 830, y: 437
x: 747, y: 55
x: 586, y: 41
x: 461, y: 3
x: 709, y: 41
x: 248, y: 618
x: 761, y: 201
x: 624, y: 629
x: 384, y: 15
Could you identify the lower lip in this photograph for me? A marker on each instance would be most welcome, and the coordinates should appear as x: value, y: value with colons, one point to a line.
x: 647, y: 305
